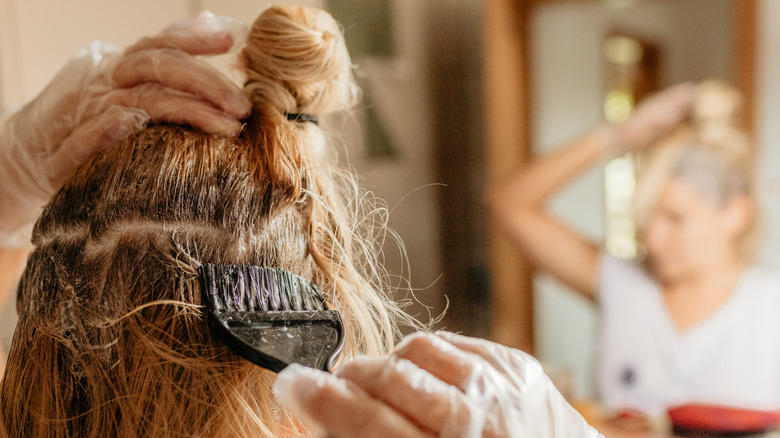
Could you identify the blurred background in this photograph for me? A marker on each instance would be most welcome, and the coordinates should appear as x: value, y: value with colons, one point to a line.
x: 458, y: 92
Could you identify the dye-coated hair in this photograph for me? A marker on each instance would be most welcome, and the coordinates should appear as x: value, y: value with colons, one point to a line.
x: 112, y: 338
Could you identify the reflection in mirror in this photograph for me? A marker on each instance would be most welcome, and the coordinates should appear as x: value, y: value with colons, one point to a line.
x: 591, y: 61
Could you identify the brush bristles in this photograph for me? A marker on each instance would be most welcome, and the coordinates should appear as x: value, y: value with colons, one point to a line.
x: 230, y: 288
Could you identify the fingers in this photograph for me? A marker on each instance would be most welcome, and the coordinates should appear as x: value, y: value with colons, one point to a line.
x: 657, y: 115
x: 669, y: 106
x: 432, y: 385
x: 515, y: 365
x: 465, y: 362
x: 680, y: 94
x: 487, y: 401
x: 412, y: 391
x: 171, y: 106
x: 677, y: 102
x: 110, y: 126
x: 206, y: 23
x: 166, y: 59
x: 180, y: 71
x: 340, y: 408
x: 436, y: 356
x: 192, y: 44
x: 205, y: 34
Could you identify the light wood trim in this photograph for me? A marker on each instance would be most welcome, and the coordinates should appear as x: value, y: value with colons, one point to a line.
x: 508, y: 145
x: 745, y: 49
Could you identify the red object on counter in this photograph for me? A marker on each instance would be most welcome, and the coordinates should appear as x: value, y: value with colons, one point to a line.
x: 699, y: 417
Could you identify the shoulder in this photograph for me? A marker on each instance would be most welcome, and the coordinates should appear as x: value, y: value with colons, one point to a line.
x: 616, y: 271
x: 755, y: 310
x: 618, y: 276
x: 762, y: 282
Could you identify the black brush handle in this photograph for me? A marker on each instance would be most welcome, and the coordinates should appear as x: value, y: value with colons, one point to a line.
x: 273, y: 340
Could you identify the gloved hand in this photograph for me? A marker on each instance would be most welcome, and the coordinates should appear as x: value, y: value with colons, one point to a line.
x: 104, y: 95
x: 442, y: 385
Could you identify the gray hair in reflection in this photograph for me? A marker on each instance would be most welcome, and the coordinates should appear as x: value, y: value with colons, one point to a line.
x: 709, y: 152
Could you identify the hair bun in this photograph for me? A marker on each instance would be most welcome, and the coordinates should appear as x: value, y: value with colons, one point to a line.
x: 716, y: 101
x: 296, y: 59
x: 716, y: 110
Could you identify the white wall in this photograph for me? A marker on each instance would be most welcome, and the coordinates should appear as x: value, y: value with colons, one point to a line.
x: 767, y: 126
x: 567, y: 89
x: 397, y: 87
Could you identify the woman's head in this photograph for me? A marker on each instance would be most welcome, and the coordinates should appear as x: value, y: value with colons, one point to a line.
x: 112, y: 340
x: 695, y: 205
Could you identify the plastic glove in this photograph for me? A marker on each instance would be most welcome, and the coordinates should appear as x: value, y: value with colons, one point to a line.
x: 104, y: 95
x: 442, y: 385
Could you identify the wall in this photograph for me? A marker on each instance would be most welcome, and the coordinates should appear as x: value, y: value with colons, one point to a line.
x: 567, y: 86
x: 456, y: 119
x: 397, y: 86
x: 767, y: 128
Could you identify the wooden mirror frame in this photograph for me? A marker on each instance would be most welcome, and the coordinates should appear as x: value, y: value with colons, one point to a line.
x: 508, y: 141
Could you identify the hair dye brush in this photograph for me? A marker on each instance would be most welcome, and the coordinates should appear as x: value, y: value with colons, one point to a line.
x: 270, y: 316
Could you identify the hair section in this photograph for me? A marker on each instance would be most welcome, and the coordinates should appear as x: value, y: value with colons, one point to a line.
x: 112, y: 338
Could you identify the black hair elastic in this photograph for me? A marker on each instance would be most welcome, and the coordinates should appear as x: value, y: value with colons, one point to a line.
x: 303, y: 117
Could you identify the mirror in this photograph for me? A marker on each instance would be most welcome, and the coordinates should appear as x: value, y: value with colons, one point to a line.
x: 546, y: 81
x: 586, y: 66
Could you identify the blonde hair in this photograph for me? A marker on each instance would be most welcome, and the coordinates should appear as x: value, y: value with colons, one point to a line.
x: 709, y: 152
x: 112, y: 339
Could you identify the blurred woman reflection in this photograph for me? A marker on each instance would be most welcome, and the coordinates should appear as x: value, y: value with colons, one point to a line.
x: 697, y: 321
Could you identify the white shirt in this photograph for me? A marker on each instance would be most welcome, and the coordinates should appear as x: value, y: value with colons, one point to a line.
x: 732, y: 358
